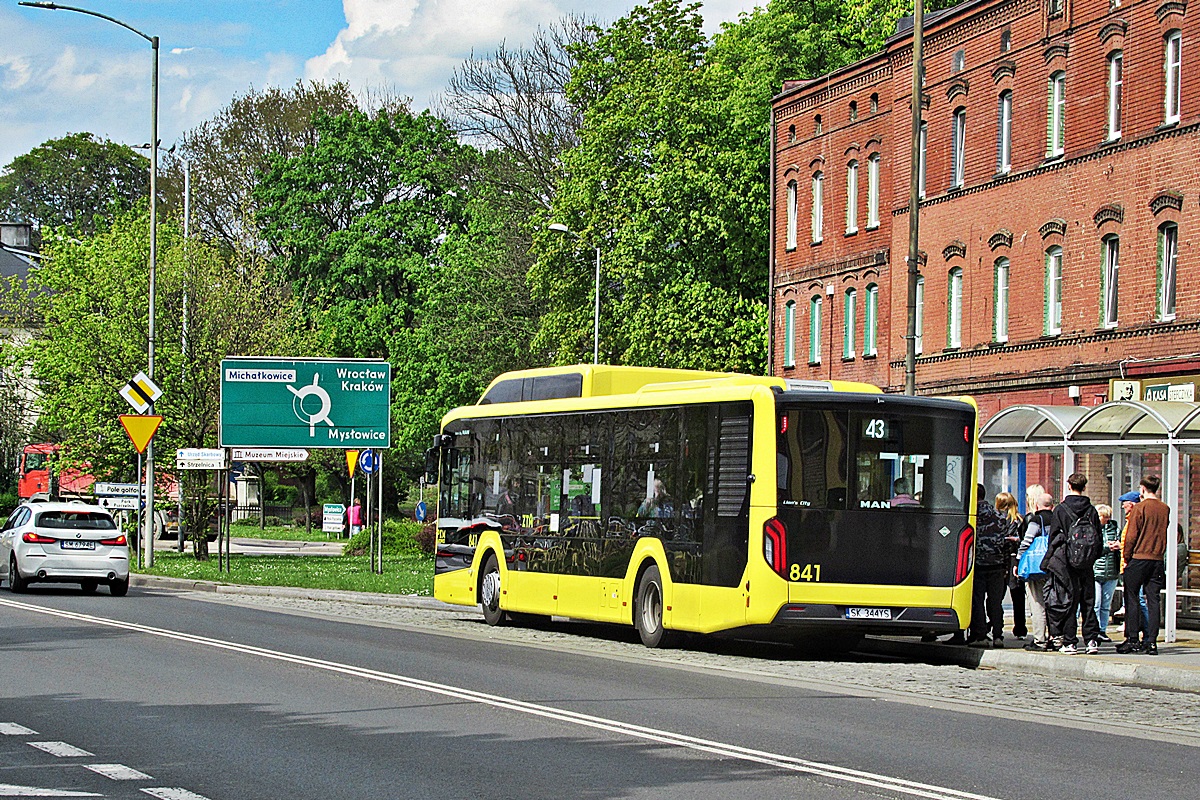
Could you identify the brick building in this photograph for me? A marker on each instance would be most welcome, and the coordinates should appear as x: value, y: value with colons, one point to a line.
x: 1061, y: 190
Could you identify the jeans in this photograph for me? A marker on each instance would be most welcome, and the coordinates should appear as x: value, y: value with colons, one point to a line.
x: 1104, y: 595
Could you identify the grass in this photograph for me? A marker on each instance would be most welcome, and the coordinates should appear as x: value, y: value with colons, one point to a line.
x: 406, y: 568
x: 280, y: 532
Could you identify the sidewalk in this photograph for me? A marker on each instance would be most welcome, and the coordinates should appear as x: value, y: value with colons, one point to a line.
x: 1177, y: 667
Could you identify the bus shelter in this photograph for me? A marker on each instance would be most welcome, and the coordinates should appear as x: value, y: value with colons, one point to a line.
x: 1114, y: 444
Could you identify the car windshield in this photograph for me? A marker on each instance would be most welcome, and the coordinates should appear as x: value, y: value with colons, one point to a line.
x: 75, y: 520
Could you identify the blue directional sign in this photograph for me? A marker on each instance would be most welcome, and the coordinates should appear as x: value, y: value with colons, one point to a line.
x: 368, y: 461
x: 421, y: 511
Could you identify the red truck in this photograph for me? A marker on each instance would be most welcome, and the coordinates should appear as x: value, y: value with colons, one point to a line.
x: 37, y: 462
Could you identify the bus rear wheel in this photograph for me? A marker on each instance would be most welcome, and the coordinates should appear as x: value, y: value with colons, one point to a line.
x: 648, y: 609
x: 489, y: 592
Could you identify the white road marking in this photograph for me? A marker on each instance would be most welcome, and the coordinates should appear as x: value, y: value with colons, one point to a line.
x: 60, y: 749
x: 13, y: 729
x: 9, y: 790
x: 169, y: 793
x: 799, y: 765
x: 118, y: 772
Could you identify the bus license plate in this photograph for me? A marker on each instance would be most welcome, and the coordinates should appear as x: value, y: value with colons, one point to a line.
x: 72, y: 544
x: 868, y: 613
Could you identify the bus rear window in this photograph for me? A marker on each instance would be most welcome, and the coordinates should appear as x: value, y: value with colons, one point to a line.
x: 910, y: 461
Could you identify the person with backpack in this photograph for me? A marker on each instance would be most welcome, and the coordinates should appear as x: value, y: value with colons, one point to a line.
x: 1037, y: 526
x: 1075, y: 544
x: 1145, y: 544
x: 993, y: 536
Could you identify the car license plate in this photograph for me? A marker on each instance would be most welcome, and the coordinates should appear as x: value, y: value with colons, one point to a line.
x: 72, y: 544
x: 868, y: 613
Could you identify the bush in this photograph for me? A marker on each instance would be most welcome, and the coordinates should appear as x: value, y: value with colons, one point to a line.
x: 272, y: 521
x: 426, y: 538
x: 400, y: 537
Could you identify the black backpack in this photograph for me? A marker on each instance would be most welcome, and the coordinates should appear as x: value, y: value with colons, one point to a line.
x: 1082, y: 542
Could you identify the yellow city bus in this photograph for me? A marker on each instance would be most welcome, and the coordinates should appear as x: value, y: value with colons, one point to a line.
x: 689, y: 501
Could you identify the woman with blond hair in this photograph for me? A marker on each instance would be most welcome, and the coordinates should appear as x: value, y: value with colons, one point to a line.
x: 1006, y: 504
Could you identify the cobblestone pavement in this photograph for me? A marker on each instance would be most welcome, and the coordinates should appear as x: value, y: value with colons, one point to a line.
x: 1078, y: 703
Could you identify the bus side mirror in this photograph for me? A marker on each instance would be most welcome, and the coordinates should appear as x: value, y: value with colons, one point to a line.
x: 431, y: 465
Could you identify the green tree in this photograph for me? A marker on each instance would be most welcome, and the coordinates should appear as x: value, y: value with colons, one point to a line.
x: 77, y: 183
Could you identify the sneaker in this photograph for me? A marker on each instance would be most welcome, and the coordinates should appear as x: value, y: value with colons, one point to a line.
x: 1150, y: 649
x: 1103, y: 637
x: 1036, y: 647
x: 1093, y: 647
x: 1020, y: 633
x: 1068, y: 650
x: 979, y: 642
x: 1055, y: 644
x: 1129, y: 646
x: 998, y: 642
x: 957, y: 638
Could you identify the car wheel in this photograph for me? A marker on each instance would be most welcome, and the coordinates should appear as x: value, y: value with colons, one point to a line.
x: 119, y: 588
x: 88, y: 586
x: 648, y: 609
x: 15, y: 582
x: 489, y: 592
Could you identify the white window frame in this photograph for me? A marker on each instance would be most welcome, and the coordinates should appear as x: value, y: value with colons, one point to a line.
x: 1002, y: 274
x: 789, y: 334
x: 1173, y: 75
x: 1004, y: 157
x: 1111, y: 281
x: 921, y: 162
x: 852, y: 197
x: 919, y: 342
x: 814, y: 330
x: 873, y: 191
x: 1168, y: 262
x: 958, y: 159
x: 954, y: 310
x: 871, y: 320
x: 793, y: 213
x: 850, y: 309
x: 818, y: 207
x: 1054, y: 279
x: 1058, y: 114
x: 1116, y: 63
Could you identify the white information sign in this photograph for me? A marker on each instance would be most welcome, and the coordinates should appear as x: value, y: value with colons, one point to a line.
x: 120, y: 503
x: 331, y: 518
x: 101, y: 489
x: 200, y: 458
x: 269, y: 454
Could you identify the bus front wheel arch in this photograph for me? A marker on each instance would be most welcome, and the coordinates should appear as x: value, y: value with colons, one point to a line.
x: 489, y: 591
x: 648, y: 607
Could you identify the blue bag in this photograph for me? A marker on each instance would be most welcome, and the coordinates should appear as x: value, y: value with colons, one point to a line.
x: 1030, y: 565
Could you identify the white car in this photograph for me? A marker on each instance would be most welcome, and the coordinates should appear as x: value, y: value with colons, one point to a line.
x: 64, y: 543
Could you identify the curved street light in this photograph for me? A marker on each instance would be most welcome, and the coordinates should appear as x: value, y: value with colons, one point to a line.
x: 558, y: 227
x: 148, y: 533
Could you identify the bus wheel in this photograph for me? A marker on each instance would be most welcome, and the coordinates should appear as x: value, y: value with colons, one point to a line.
x: 648, y: 609
x: 489, y: 592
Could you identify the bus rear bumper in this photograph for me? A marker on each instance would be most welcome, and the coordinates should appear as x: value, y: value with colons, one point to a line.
x: 894, y: 619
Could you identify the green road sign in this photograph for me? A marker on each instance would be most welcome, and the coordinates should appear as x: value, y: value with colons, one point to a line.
x: 275, y: 402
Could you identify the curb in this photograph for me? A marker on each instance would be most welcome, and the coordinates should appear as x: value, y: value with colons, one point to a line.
x: 364, y: 598
x: 1105, y: 668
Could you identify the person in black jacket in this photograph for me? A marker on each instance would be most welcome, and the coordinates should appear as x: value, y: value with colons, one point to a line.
x: 1071, y: 591
x: 993, y: 539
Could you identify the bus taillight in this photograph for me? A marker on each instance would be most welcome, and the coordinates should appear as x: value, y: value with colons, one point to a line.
x: 966, y: 554
x: 775, y: 545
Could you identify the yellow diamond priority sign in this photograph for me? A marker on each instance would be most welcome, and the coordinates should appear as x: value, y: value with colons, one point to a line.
x: 140, y: 428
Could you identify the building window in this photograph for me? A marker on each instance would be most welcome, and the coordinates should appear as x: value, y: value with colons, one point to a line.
x: 814, y: 330
x: 848, y: 320
x: 871, y: 320
x: 1168, y: 250
x: 1053, y: 293
x: 852, y: 197
x: 1115, y: 67
x: 1110, y: 280
x: 1172, y: 66
x: 1005, y: 40
x: 1056, y: 116
x: 873, y: 191
x: 954, y: 308
x: 792, y: 214
x: 1004, y: 134
x: 789, y: 334
x: 921, y: 164
x: 817, y: 124
x: 959, y: 148
x: 874, y: 103
x: 919, y: 339
x: 791, y: 134
x: 1000, y: 324
x: 853, y: 110
x: 1054, y: 8
x: 818, y: 212
x: 960, y: 61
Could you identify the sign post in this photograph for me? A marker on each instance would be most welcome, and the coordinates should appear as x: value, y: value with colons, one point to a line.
x: 141, y: 393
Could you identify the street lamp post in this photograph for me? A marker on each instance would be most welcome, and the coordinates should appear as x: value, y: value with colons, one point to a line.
x: 558, y: 227
x: 148, y: 532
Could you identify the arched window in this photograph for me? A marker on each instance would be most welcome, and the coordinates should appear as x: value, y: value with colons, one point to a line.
x: 817, y: 126
x: 874, y: 103
x: 818, y: 210
x: 1057, y: 118
x: 958, y: 167
x: 1110, y: 280
x: 1053, y: 293
x: 1116, y: 63
x: 1000, y: 323
x: 793, y: 213
x: 954, y: 308
x: 1173, y: 62
x: 1004, y: 134
x: 873, y: 191
x: 1168, y: 250
x: 789, y: 334
x: 852, y: 197
x: 814, y: 329
x: 791, y: 134
x: 871, y: 320
x: 848, y: 322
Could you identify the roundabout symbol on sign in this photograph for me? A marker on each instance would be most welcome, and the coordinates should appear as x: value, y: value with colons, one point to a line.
x: 368, y: 461
x: 304, y: 411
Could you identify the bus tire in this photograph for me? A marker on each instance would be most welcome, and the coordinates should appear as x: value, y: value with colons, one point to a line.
x: 489, y: 591
x: 648, y: 609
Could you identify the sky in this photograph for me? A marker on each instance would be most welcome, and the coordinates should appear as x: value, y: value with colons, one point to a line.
x: 63, y: 72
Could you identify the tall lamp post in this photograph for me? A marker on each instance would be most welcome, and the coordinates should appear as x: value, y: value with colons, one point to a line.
x: 558, y: 227
x: 148, y: 533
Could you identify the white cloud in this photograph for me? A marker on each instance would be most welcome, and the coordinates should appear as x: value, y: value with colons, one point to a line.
x: 16, y: 72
